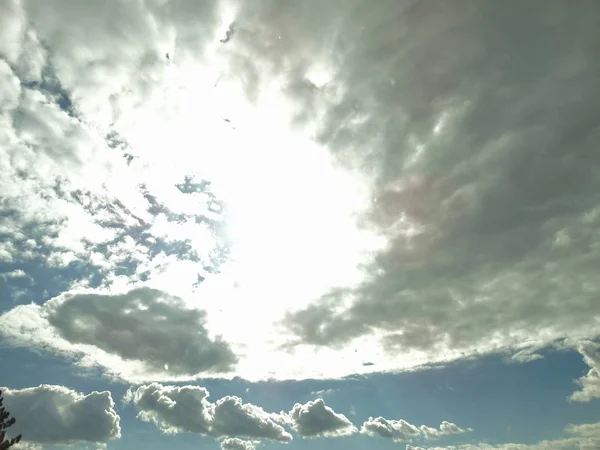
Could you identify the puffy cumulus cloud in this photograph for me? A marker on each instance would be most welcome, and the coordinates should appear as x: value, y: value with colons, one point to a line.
x: 186, y: 409
x: 174, y: 409
x: 58, y: 415
x: 397, y: 430
x: 236, y: 444
x: 140, y: 334
x: 590, y: 383
x: 430, y: 433
x: 412, y: 447
x: 234, y: 418
x: 482, y: 148
x: 451, y: 428
x: 315, y: 419
x: 401, y: 430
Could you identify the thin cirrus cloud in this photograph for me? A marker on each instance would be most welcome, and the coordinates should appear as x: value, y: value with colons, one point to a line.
x: 50, y: 414
x: 141, y: 333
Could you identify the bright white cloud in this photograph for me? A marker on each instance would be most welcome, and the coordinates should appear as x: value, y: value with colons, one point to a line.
x: 186, y: 409
x: 58, y: 415
x: 315, y: 419
x: 236, y: 444
x: 582, y: 437
x: 402, y: 431
x: 430, y: 433
x: 397, y: 430
x: 590, y: 383
x: 448, y: 428
x: 140, y: 334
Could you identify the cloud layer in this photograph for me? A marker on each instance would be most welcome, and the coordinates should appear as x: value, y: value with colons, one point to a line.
x: 453, y: 199
x: 58, y: 415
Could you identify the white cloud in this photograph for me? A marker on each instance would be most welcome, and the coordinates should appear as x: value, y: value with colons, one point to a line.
x: 58, y: 415
x: 402, y: 431
x: 582, y: 437
x: 140, y: 334
x: 315, y: 419
x: 590, y: 383
x: 186, y: 409
x: 397, y: 430
x: 234, y: 418
x: 26, y: 446
x: 14, y: 274
x: 430, y: 433
x: 174, y: 409
x: 447, y: 428
x: 237, y: 444
x: 412, y: 447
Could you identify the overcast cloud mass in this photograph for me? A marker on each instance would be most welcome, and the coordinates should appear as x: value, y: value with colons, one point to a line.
x: 270, y: 191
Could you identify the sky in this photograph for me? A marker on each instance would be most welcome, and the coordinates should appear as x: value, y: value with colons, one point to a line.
x: 309, y: 225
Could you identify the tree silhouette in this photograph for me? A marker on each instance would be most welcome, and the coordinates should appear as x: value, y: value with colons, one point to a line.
x: 5, y: 422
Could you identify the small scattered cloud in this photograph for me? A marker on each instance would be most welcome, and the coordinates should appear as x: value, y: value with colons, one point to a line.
x: 50, y: 414
x: 323, y: 392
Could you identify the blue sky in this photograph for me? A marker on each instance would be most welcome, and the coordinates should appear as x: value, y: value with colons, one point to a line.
x: 245, y: 225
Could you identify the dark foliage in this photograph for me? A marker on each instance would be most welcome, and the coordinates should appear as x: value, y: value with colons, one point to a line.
x: 5, y: 422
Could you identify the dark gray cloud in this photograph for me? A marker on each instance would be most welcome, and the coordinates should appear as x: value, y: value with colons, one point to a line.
x: 482, y: 145
x: 144, y: 324
x: 58, y: 415
x: 315, y: 419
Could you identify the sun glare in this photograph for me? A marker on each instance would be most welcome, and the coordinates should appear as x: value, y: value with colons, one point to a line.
x: 291, y: 214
